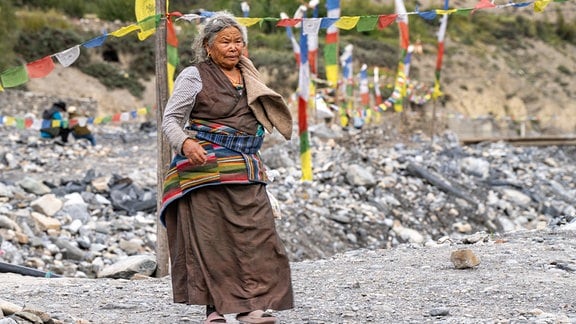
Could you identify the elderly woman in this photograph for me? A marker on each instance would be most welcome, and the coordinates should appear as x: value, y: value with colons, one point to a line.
x: 224, y: 248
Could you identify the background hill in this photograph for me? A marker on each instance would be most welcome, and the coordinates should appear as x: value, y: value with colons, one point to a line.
x: 510, y: 65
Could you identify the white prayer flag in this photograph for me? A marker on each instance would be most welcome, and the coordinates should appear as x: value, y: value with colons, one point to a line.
x: 69, y: 56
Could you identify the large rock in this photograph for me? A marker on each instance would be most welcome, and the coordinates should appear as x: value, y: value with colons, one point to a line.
x: 128, y: 267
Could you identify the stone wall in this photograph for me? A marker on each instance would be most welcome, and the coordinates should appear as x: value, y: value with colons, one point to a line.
x: 17, y: 103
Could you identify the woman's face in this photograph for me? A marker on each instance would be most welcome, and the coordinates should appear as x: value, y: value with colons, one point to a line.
x: 227, y: 48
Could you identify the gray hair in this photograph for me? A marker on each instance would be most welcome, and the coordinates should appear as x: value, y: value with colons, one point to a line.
x: 212, y: 26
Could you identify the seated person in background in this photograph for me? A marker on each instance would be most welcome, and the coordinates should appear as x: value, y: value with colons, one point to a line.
x: 49, y: 128
x: 78, y: 126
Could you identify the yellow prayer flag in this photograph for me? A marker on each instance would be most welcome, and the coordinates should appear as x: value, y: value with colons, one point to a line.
x: 332, y: 74
x: 248, y: 21
x: 1, y: 89
x: 540, y: 5
x: 124, y: 30
x: 171, y: 71
x: 143, y: 10
x: 306, y: 158
x: 347, y: 22
x: 377, y: 117
x: 311, y: 97
x: 343, y: 117
x: 445, y: 12
x: 142, y: 111
x: 9, y: 121
x: 437, y: 93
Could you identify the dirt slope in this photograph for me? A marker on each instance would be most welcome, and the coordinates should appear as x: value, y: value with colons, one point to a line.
x: 526, y: 80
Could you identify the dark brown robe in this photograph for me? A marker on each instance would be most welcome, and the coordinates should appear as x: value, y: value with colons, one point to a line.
x: 223, y: 243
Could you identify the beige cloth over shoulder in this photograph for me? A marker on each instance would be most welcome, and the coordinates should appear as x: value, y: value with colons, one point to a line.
x: 267, y: 105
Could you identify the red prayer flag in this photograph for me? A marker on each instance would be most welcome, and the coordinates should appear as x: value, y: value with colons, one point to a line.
x: 28, y: 122
x: 386, y: 20
x: 171, y: 38
x: 288, y: 22
x: 440, y: 55
x: 404, y: 35
x: 40, y: 68
x: 483, y: 4
x: 331, y: 38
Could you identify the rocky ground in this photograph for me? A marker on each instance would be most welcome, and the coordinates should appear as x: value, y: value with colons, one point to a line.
x: 370, y: 238
x: 523, y: 277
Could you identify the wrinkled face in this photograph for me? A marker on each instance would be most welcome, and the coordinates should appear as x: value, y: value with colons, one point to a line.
x: 227, y: 48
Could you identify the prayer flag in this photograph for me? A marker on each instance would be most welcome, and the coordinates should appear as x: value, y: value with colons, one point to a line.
x: 331, y: 43
x: 292, y: 39
x: 483, y: 4
x: 311, y: 26
x: 363, y: 87
x: 436, y: 93
x: 377, y: 93
x: 540, y: 5
x: 402, y: 21
x: 14, y: 77
x: 386, y: 20
x: 144, y: 9
x: 367, y: 23
x: 69, y: 56
x: 124, y: 30
x: 347, y: 22
x: 245, y: 8
x: 304, y: 94
x: 40, y: 68
x: 248, y: 21
x: 288, y: 22
x: 95, y: 42
x: 172, y: 53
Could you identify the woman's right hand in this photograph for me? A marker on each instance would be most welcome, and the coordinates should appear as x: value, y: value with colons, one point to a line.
x: 194, y: 152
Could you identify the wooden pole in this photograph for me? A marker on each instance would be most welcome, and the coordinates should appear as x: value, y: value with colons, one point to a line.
x: 163, y: 161
x: 433, y: 125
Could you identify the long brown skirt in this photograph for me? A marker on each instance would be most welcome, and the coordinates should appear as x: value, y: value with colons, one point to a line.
x: 225, y: 250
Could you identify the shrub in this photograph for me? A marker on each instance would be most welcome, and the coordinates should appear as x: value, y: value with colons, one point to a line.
x: 8, y: 34
x: 113, y: 78
x: 112, y: 10
x: 72, y: 8
x: 281, y: 65
x: 564, y: 70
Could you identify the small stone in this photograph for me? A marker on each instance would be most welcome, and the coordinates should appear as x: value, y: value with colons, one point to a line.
x: 441, y: 311
x: 464, y: 259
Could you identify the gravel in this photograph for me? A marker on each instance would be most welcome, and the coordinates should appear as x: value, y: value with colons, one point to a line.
x: 523, y: 277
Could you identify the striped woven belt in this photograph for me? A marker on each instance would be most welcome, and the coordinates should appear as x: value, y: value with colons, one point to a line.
x: 226, y: 136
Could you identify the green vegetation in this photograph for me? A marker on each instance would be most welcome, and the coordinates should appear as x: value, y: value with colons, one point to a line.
x: 32, y: 29
x: 564, y: 70
x: 113, y: 78
x: 8, y: 34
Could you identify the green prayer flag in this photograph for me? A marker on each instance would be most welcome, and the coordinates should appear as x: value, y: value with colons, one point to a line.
x: 172, y: 55
x: 14, y: 77
x: 331, y: 54
x: 367, y: 23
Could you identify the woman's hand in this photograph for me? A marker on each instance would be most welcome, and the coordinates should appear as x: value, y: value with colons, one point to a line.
x: 194, y: 152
